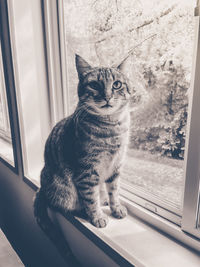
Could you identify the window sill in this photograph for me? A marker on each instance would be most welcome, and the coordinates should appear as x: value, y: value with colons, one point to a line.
x: 126, y: 242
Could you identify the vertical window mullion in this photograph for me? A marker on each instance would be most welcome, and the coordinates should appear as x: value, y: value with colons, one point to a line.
x: 53, y: 61
x: 63, y: 53
x: 192, y: 167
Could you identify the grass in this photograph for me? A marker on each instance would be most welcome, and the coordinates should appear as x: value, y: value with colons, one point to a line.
x: 160, y: 176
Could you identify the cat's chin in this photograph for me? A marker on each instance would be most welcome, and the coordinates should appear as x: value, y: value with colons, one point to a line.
x: 107, y: 106
x: 106, y: 110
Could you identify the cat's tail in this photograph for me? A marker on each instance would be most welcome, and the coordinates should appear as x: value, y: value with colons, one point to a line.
x: 54, y: 234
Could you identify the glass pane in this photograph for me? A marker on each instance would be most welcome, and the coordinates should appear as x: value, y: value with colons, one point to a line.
x: 31, y: 84
x: 6, y: 149
x: 160, y: 37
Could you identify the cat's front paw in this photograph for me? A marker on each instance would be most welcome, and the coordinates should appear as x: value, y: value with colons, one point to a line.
x: 119, y: 212
x: 100, y: 222
x: 104, y: 200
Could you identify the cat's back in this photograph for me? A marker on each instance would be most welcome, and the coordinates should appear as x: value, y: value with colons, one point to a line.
x: 60, y: 137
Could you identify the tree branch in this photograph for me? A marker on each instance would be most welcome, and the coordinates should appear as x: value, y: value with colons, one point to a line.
x: 163, y: 13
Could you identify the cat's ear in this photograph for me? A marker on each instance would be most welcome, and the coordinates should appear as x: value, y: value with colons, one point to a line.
x: 126, y: 65
x: 128, y: 69
x: 81, y: 66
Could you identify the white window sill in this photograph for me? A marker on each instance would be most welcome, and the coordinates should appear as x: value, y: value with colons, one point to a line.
x: 129, y: 239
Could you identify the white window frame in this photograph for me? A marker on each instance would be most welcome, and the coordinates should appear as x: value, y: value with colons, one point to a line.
x: 54, y: 68
x: 56, y: 59
x: 138, y: 201
x: 191, y: 202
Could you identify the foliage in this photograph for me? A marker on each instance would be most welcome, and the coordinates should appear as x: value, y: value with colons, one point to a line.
x: 159, y: 35
x: 166, y: 134
x: 172, y: 139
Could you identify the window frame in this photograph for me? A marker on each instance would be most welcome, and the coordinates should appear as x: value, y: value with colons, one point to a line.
x: 56, y: 61
x: 54, y: 68
x: 144, y: 205
x: 16, y: 166
x: 191, y: 201
x: 15, y: 130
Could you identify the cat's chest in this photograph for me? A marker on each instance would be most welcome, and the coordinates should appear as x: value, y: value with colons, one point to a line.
x: 102, y: 141
x: 105, y: 154
x: 108, y: 160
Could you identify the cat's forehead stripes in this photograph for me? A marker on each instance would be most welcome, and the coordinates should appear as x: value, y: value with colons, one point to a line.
x: 103, y: 74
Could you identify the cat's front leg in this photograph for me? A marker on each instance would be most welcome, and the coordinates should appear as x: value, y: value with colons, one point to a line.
x: 103, y: 195
x: 118, y: 211
x: 88, y: 189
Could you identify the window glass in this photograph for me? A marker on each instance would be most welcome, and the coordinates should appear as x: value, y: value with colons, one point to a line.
x: 160, y: 37
x: 6, y: 149
x: 25, y: 21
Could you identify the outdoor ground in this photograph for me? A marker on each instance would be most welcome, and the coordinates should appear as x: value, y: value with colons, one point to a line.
x: 161, y: 176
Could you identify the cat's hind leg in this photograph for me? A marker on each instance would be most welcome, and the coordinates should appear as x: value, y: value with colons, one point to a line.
x: 61, y: 194
x: 41, y: 204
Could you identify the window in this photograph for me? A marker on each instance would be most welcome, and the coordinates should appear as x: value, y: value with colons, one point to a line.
x: 162, y: 38
x: 161, y: 173
x: 6, y: 149
x: 30, y: 82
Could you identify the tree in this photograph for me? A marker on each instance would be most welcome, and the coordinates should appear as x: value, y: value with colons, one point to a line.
x: 160, y: 36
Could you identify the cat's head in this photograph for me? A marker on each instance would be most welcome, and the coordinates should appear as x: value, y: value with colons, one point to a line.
x: 103, y: 91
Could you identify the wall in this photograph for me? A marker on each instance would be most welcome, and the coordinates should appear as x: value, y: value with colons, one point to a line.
x: 18, y: 223
x: 16, y: 197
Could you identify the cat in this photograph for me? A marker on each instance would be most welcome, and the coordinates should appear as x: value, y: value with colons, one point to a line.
x: 84, y: 152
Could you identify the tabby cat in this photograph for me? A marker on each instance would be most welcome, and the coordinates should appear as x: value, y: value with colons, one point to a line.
x: 84, y: 152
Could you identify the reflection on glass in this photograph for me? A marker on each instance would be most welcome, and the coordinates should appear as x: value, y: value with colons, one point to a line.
x: 6, y: 149
x: 159, y: 35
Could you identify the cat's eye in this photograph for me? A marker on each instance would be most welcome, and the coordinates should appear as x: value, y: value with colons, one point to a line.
x: 94, y: 85
x: 117, y: 85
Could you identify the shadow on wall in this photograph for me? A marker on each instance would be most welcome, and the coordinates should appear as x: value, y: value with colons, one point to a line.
x: 18, y: 223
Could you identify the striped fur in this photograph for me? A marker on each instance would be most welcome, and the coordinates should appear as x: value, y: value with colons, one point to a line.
x: 85, y: 152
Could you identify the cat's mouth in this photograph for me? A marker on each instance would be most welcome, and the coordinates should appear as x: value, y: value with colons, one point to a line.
x: 107, y: 105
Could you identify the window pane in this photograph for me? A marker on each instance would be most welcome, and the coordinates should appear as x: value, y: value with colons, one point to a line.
x: 30, y: 81
x: 6, y: 149
x: 160, y: 36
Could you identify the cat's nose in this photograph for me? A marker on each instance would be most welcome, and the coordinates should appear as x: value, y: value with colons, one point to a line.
x: 107, y: 99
